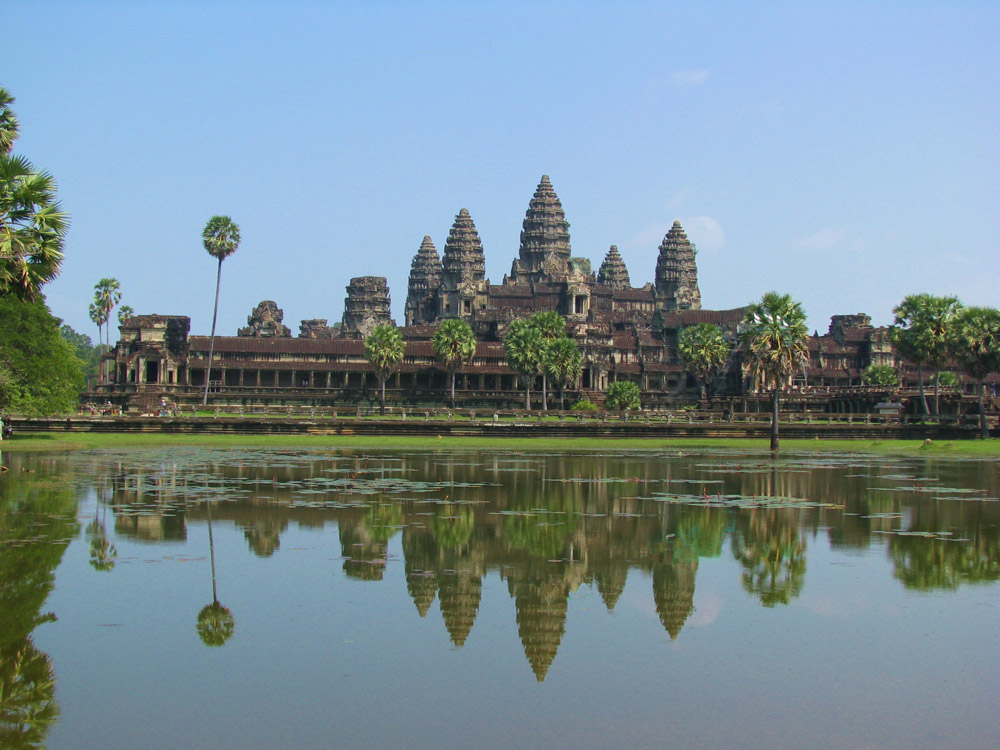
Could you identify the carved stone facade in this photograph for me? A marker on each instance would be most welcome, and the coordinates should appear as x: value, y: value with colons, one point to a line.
x: 677, y: 273
x: 623, y: 332
x: 366, y: 306
x: 265, y: 322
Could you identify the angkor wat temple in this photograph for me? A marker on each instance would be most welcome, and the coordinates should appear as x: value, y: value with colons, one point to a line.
x: 623, y: 331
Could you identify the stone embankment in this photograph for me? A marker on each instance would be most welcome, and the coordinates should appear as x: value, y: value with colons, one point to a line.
x: 520, y: 425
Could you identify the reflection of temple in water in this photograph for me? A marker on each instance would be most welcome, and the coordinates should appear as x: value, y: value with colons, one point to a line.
x: 570, y: 522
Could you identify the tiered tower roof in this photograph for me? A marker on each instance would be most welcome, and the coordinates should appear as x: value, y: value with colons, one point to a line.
x: 425, y: 279
x: 677, y: 273
x: 545, y: 247
x: 463, y: 253
x: 613, y: 272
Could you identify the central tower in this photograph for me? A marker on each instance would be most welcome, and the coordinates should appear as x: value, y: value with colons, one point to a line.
x: 545, y: 250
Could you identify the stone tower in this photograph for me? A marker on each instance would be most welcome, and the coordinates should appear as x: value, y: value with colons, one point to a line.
x: 366, y: 306
x: 463, y: 276
x: 265, y: 322
x: 676, y: 273
x: 425, y: 280
x: 613, y: 272
x: 545, y: 249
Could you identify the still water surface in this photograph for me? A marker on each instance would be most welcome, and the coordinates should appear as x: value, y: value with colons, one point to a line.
x: 497, y: 599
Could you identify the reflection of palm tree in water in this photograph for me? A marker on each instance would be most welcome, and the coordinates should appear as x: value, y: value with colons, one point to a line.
x: 772, y: 551
x: 102, y: 552
x: 215, y: 622
x: 28, y: 708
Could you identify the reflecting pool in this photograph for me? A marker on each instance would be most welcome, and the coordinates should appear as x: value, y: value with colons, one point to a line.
x: 192, y: 597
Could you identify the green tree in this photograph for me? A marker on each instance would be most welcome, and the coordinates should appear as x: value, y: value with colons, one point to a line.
x: 88, y: 354
x: 551, y: 326
x: 623, y: 395
x: 39, y: 371
x: 124, y: 313
x: 220, y: 237
x: 454, y: 346
x: 32, y: 224
x: 921, y: 335
x: 562, y: 363
x: 523, y: 346
x: 774, y: 341
x: 384, y: 350
x: 880, y: 375
x: 107, y: 294
x: 975, y: 340
x: 97, y: 315
x: 704, y: 351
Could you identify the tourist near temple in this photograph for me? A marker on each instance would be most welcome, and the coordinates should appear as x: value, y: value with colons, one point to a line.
x: 624, y: 332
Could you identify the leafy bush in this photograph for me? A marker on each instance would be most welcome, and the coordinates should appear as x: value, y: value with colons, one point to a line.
x: 880, y: 375
x: 584, y: 404
x: 623, y: 394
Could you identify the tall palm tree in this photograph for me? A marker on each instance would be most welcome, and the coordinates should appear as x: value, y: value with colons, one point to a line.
x: 551, y: 326
x: 454, y: 345
x: 774, y: 341
x: 975, y: 340
x: 562, y: 363
x: 704, y: 351
x: 107, y: 294
x: 523, y: 346
x: 384, y: 350
x: 920, y: 335
x: 124, y: 313
x: 97, y: 316
x: 220, y: 237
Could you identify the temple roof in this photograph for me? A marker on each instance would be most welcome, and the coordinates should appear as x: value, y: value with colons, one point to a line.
x: 463, y: 251
x: 613, y: 271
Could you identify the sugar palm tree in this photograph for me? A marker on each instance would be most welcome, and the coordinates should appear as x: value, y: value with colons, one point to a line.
x: 107, y: 294
x: 562, y: 363
x: 454, y: 345
x: 8, y: 122
x: 975, y: 340
x: 551, y: 326
x: 523, y: 346
x: 97, y: 316
x: 774, y: 342
x: 384, y: 351
x: 704, y: 351
x: 220, y: 237
x: 124, y: 313
x: 920, y: 334
x: 215, y: 622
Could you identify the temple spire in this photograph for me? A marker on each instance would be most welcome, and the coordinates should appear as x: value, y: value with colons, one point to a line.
x: 613, y: 272
x: 422, y: 289
x: 677, y: 273
x: 545, y: 247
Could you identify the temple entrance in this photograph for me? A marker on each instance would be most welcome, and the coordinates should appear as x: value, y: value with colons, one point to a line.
x: 152, y: 371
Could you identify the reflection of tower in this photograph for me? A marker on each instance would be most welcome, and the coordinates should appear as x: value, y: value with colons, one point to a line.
x: 420, y: 553
x: 264, y: 535
x: 673, y: 594
x: 460, y: 594
x: 364, y: 558
x: 611, y: 583
x: 541, y: 619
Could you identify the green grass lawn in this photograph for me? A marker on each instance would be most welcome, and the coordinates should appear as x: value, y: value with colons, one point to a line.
x: 87, y: 441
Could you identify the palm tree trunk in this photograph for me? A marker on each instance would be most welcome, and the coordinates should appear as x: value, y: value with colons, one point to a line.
x: 545, y: 392
x: 937, y: 389
x: 527, y: 395
x: 382, y: 404
x: 211, y: 548
x: 211, y: 344
x: 562, y: 397
x: 983, y: 430
x: 452, y: 390
x: 923, y: 392
x: 774, y: 418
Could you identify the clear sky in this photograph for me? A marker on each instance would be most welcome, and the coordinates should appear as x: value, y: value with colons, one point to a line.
x: 846, y: 153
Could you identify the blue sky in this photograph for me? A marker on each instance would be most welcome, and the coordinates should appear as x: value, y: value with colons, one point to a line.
x: 846, y: 153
